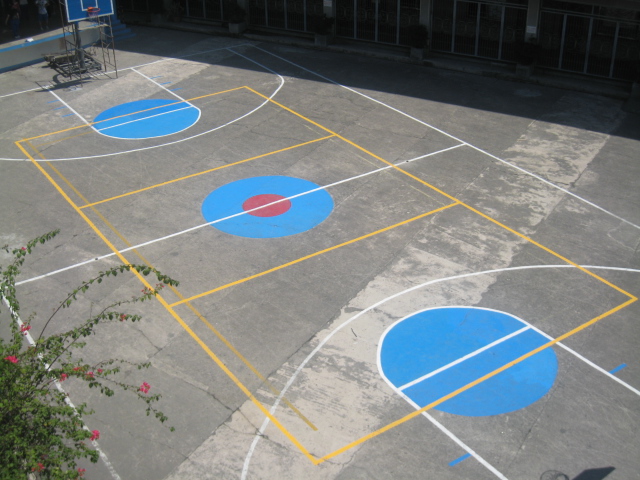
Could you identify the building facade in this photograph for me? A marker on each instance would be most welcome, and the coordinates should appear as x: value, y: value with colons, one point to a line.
x: 599, y: 38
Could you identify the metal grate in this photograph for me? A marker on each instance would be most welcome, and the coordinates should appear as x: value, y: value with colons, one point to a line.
x: 590, y: 44
x: 194, y: 9
x: 382, y: 21
x: 213, y: 9
x: 480, y: 29
x: 295, y: 15
x: 141, y: 6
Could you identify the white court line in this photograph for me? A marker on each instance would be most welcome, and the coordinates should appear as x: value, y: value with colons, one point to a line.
x: 84, y: 120
x: 167, y: 59
x: 584, y: 359
x: 197, y: 227
x: 164, y: 144
x: 529, y: 173
x: 323, y: 342
x: 100, y: 130
x: 67, y: 400
x: 163, y: 87
x: 426, y: 414
x: 183, y: 100
x: 453, y: 137
x: 461, y: 359
x: 187, y: 138
x: 456, y: 440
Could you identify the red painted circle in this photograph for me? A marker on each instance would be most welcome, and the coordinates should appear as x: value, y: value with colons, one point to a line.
x: 269, y: 211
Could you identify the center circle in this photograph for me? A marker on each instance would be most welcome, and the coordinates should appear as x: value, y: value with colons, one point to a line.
x: 273, y: 210
x: 282, y: 206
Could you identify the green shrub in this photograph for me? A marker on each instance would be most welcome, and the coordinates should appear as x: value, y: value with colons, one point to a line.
x: 40, y: 430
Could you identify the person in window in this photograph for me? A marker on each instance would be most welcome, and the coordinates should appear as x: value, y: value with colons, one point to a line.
x: 13, y: 18
x: 24, y: 11
x: 43, y: 14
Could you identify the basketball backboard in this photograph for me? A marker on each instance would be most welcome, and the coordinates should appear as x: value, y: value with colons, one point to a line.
x: 79, y: 9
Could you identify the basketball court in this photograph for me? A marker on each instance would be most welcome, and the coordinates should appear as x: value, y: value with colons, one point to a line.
x: 385, y: 271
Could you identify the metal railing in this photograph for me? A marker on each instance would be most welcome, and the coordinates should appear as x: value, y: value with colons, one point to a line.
x: 479, y: 29
x: 382, y: 21
x: 590, y: 44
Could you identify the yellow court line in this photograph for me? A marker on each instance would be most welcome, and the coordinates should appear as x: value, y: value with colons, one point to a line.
x: 249, y: 365
x: 407, y: 417
x: 471, y: 384
x: 77, y: 192
x: 548, y: 250
x: 63, y: 139
x: 313, y: 459
x: 451, y: 197
x: 311, y: 255
x: 202, y: 318
x: 509, y: 229
x: 205, y: 171
x: 171, y: 311
x: 90, y: 124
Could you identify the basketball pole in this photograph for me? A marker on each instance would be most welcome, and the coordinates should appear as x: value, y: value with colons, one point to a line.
x: 79, y: 49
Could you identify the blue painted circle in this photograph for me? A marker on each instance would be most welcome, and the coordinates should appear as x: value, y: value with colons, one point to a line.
x: 435, y: 352
x: 146, y: 119
x: 306, y: 211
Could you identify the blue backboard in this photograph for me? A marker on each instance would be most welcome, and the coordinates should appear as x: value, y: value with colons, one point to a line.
x: 79, y: 9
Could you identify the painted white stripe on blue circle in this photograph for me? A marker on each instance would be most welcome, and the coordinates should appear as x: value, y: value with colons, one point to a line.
x: 435, y: 352
x: 148, y: 118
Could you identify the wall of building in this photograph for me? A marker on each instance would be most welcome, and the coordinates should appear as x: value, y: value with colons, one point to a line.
x: 592, y: 37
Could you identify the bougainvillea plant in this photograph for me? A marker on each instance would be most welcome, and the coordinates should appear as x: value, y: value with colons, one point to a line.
x: 42, y: 433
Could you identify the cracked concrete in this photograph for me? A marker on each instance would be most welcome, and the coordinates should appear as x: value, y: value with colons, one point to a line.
x: 298, y: 310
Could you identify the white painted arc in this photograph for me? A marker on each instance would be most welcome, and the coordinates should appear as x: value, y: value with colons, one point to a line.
x: 153, y: 147
x: 323, y: 342
x: 564, y: 190
x: 281, y: 84
x: 461, y: 276
x: 101, y: 130
x: 162, y: 60
x: 182, y: 100
x: 453, y: 137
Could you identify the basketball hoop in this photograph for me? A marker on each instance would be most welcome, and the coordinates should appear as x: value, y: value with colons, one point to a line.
x: 92, y: 12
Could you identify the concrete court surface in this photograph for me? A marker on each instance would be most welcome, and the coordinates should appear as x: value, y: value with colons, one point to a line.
x: 517, y: 204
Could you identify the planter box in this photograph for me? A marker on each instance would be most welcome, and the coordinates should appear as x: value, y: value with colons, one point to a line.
x: 416, y: 53
x: 237, y: 28
x: 321, y: 40
x: 524, y: 71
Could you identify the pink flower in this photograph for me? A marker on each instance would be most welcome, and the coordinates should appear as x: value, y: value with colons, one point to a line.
x: 39, y: 468
x: 25, y: 328
x: 63, y: 377
x: 100, y: 370
x: 89, y: 374
x: 24, y: 249
x: 95, y: 435
x: 12, y: 359
x: 123, y: 317
x: 81, y: 471
x: 77, y: 369
x: 144, y: 388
